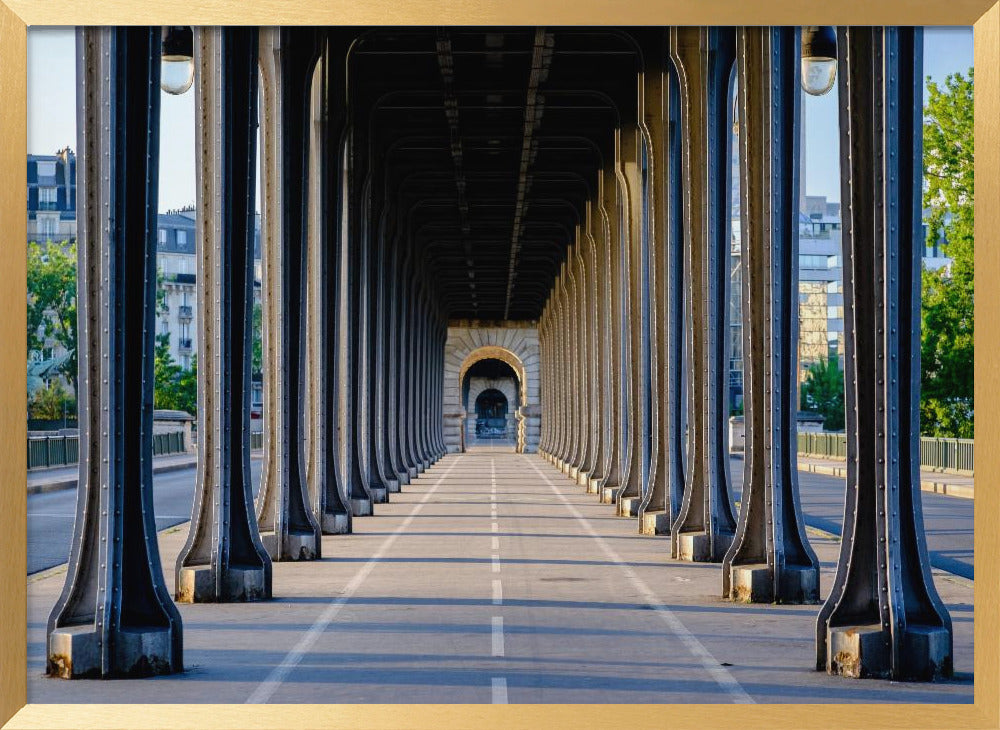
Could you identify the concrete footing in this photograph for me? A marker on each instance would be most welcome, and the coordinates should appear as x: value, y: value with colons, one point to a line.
x: 696, y: 547
x: 411, y: 472
x: 75, y: 652
x: 862, y: 652
x: 583, y: 478
x: 754, y: 584
x: 655, y: 523
x: 196, y: 584
x: 403, y: 478
x: 392, y: 486
x: 593, y: 486
x: 379, y: 495
x: 361, y: 507
x: 334, y: 524
x: 298, y: 546
x: 629, y: 506
x: 609, y: 494
x: 574, y: 472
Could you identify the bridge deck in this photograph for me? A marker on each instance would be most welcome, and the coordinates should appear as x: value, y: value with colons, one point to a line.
x: 553, y: 599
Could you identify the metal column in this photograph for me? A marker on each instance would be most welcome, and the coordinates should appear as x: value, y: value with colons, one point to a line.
x: 883, y: 617
x: 114, y: 617
x: 704, y: 528
x: 288, y: 527
x: 223, y: 558
x: 770, y: 559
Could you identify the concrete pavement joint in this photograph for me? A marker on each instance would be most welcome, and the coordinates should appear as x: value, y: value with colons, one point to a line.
x: 269, y: 686
x: 720, y: 674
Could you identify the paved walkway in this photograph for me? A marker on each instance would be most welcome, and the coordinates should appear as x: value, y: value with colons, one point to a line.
x: 493, y: 578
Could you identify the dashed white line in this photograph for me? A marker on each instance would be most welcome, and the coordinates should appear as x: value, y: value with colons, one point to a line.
x: 498, y: 636
x: 496, y: 527
x: 499, y: 691
x: 497, y: 593
x: 496, y: 563
x: 496, y: 542
x: 270, y: 685
x: 720, y: 674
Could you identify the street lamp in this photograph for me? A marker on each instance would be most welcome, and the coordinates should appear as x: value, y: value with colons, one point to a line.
x: 177, y: 59
x: 819, y: 59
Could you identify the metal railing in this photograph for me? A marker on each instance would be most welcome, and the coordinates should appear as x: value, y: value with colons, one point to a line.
x: 48, y: 451
x: 955, y: 456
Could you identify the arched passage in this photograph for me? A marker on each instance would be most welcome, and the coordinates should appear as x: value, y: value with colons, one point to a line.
x: 515, y: 347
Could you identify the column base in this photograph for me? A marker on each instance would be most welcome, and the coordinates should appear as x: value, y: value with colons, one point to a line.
x: 334, y: 524
x: 298, y: 546
x: 629, y: 506
x: 609, y: 494
x: 753, y: 584
x: 655, y: 523
x: 411, y: 472
x: 574, y: 472
x: 583, y: 478
x: 696, y: 547
x: 379, y: 495
x: 593, y: 486
x: 861, y: 652
x: 75, y: 653
x: 196, y: 584
x: 403, y: 478
x: 361, y: 507
x: 392, y: 486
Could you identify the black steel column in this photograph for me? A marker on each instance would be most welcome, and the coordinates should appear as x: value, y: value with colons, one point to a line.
x: 223, y: 558
x: 114, y: 617
x: 883, y: 617
x: 770, y: 559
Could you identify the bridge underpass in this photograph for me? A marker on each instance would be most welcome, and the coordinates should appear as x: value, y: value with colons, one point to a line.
x: 556, y: 199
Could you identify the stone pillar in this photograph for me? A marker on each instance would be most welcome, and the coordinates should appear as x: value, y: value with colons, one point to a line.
x: 770, y: 559
x: 288, y: 527
x: 114, y: 617
x: 883, y: 617
x: 705, y: 526
x: 223, y: 558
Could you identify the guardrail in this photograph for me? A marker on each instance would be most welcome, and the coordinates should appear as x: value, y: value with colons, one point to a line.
x: 48, y: 451
x: 955, y: 456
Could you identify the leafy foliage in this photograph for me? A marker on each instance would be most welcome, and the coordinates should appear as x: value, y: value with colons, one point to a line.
x: 176, y: 387
x: 51, y: 403
x: 52, y: 300
x: 257, y: 350
x: 946, y: 342
x: 823, y: 393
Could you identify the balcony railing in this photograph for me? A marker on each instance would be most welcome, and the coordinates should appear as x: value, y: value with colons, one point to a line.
x: 184, y: 344
x: 184, y: 312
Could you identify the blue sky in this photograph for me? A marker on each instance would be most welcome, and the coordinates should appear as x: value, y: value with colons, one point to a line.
x: 52, y: 112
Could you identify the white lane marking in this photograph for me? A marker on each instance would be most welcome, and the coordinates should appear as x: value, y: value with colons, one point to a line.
x: 278, y: 675
x: 499, y: 691
x: 496, y: 563
x: 720, y: 674
x: 497, y: 593
x: 496, y: 542
x: 496, y: 527
x: 498, y: 636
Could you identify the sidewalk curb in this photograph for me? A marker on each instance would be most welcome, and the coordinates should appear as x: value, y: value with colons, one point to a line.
x: 71, y: 483
x: 961, y: 491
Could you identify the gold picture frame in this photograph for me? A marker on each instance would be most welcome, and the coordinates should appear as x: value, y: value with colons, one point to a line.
x: 16, y: 15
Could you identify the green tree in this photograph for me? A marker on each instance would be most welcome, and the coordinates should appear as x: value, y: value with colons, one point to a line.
x: 257, y: 349
x: 51, y: 403
x: 823, y: 393
x: 52, y: 300
x: 946, y: 341
x: 175, y: 387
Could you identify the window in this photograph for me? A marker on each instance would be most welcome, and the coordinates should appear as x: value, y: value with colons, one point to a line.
x: 47, y: 226
x: 162, y: 235
x: 46, y: 168
x: 182, y: 239
x: 812, y: 262
x: 47, y: 195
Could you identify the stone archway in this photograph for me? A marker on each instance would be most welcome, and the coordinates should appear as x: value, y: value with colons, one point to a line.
x: 515, y: 345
